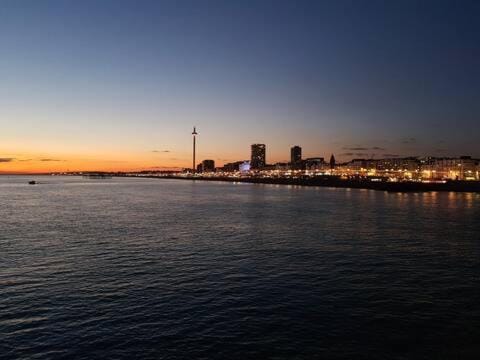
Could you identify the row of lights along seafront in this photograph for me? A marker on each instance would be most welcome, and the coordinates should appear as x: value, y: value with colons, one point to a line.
x: 426, y: 169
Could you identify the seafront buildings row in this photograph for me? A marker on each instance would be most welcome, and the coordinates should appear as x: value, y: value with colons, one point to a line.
x: 426, y: 169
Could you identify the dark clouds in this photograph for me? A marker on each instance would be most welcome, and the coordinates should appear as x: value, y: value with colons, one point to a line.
x: 410, y: 140
x: 365, y: 155
x: 391, y: 155
x: 360, y: 148
x: 358, y: 154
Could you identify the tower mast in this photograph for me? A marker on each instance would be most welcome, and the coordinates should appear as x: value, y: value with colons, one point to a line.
x: 194, y: 133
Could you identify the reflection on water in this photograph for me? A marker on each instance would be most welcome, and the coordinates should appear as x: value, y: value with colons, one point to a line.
x: 125, y: 268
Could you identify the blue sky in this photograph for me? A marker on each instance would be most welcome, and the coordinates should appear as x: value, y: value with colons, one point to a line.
x: 111, y: 80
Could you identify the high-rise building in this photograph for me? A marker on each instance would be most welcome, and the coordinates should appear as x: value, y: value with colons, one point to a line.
x: 258, y: 156
x: 295, y: 156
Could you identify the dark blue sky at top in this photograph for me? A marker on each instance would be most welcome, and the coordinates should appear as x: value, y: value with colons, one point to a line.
x: 403, y: 75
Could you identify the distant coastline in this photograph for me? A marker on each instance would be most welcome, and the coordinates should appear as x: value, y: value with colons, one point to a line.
x: 337, y: 182
x: 321, y: 181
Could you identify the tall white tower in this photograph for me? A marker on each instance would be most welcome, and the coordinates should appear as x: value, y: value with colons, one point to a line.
x: 194, y: 133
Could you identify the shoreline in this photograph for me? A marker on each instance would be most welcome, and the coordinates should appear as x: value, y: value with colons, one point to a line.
x: 319, y: 181
x: 336, y: 182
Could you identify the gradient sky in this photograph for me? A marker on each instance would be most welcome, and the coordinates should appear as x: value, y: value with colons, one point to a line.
x: 118, y: 85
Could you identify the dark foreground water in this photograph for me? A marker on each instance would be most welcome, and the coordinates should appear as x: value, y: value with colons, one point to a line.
x: 171, y: 269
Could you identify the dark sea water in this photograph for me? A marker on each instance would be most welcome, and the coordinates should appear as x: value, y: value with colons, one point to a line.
x: 171, y: 269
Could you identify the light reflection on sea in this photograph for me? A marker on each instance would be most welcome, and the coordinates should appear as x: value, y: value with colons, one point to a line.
x: 145, y: 268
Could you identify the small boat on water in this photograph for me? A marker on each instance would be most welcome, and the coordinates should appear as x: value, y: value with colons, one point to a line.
x: 32, y: 182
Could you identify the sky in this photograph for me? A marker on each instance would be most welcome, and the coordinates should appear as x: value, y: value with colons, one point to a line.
x: 118, y: 85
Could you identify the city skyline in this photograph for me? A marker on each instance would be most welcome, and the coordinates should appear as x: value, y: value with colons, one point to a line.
x: 116, y: 86
x: 239, y: 179
x: 196, y: 159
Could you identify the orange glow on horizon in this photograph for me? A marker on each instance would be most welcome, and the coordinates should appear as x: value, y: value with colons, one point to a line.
x: 47, y: 166
x: 31, y: 164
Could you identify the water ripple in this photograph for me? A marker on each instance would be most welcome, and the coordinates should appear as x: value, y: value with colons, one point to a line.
x: 163, y: 269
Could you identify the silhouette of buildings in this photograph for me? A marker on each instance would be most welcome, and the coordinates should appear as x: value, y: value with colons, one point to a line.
x: 206, y: 166
x: 296, y: 157
x: 316, y: 163
x: 413, y: 168
x: 398, y: 164
x: 258, y: 156
x: 233, y: 166
x: 428, y: 169
x: 282, y: 166
x: 332, y: 162
x: 462, y: 168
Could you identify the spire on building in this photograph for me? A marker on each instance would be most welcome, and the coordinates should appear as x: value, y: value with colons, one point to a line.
x: 332, y: 162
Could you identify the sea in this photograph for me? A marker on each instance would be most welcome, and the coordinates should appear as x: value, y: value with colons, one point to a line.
x: 137, y: 268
